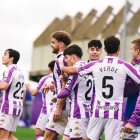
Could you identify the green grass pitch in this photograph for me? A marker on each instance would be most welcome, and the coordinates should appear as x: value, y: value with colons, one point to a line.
x: 28, y: 134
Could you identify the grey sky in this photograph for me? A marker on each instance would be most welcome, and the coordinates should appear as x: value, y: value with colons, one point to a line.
x: 21, y: 22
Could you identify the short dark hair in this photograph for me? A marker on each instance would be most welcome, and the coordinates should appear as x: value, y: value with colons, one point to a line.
x: 137, y: 42
x: 95, y: 43
x: 73, y: 49
x: 112, y: 44
x: 15, y: 54
x: 51, y: 65
x: 62, y: 36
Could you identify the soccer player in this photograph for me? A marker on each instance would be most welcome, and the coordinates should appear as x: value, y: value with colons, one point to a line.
x: 79, y: 90
x: 110, y: 74
x: 13, y: 88
x: 132, y: 98
x: 47, y: 106
x: 94, y: 50
x: 59, y: 116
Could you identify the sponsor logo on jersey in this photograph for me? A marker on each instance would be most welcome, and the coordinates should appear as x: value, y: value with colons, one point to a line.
x: 77, y: 134
x: 5, y: 78
x: 76, y: 122
x: 69, y: 81
x: 76, y: 128
x: 70, y: 130
x: 21, y: 76
x: 52, y: 126
x: 113, y: 107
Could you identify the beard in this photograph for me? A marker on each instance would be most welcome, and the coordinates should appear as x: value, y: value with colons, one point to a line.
x: 55, y: 50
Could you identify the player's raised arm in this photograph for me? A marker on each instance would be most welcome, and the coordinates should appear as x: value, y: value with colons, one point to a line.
x: 32, y: 91
x: 69, y: 70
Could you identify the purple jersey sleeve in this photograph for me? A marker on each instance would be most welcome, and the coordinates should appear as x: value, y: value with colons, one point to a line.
x: 65, y: 93
x: 7, y: 76
x: 135, y: 118
x: 131, y: 87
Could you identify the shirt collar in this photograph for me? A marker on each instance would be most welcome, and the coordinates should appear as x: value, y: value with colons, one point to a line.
x: 78, y: 62
x: 12, y: 65
x: 137, y: 61
x: 111, y: 56
x: 58, y: 55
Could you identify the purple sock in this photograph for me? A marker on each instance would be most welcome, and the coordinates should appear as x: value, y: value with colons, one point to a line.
x: 57, y: 138
x: 38, y: 136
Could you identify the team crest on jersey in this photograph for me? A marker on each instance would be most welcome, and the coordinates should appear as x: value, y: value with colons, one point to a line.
x: 5, y: 78
x: 77, y: 134
x: 69, y: 81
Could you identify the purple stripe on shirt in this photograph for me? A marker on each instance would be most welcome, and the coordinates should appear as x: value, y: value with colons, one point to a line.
x: 97, y: 110
x: 70, y: 100
x: 55, y: 83
x: 9, y: 75
x: 65, y: 64
x: 42, y: 82
x: 44, y: 109
x: 106, y: 112
x: 76, y: 113
x: 14, y: 109
x: 100, y: 61
x: 19, y: 109
x: 86, y: 112
x: 116, y: 113
x: 5, y: 107
x: 92, y: 101
x: 110, y: 60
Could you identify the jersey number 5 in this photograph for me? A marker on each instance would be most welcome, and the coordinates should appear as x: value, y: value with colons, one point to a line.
x: 107, y: 86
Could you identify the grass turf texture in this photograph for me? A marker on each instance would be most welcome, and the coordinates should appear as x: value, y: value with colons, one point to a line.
x: 28, y: 134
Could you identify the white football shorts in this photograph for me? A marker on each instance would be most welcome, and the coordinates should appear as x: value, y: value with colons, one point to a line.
x: 42, y: 121
x: 9, y: 122
x: 76, y: 128
x: 111, y: 127
x: 58, y: 127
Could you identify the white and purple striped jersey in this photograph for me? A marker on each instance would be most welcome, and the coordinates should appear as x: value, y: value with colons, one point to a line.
x: 80, y: 94
x: 48, y: 105
x: 60, y: 62
x: 109, y: 74
x: 12, y: 97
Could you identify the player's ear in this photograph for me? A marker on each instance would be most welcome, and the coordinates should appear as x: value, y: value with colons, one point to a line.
x: 88, y: 51
x: 12, y: 58
x: 119, y: 49
x: 138, y: 51
x: 105, y: 49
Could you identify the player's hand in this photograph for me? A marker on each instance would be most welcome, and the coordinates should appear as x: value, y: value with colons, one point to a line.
x: 128, y: 128
x: 28, y: 85
x: 45, y: 89
x: 54, y: 100
x: 57, y: 115
x: 133, y: 62
x: 52, y: 87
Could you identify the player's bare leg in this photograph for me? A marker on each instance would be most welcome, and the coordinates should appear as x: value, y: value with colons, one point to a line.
x: 39, y: 134
x: 4, y: 134
x: 11, y: 137
x: 50, y: 135
x: 65, y: 138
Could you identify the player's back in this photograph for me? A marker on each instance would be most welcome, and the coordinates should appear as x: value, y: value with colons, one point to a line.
x: 12, y: 97
x: 109, y: 74
x: 48, y: 105
x: 81, y: 96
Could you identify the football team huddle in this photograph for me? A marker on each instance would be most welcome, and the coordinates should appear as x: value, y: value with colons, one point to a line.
x: 81, y: 99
